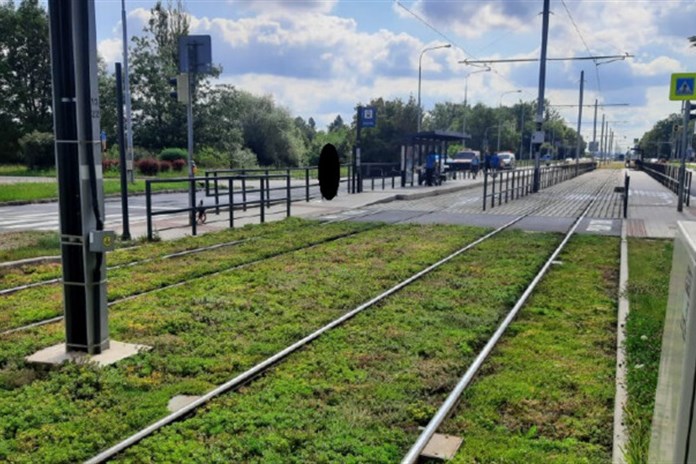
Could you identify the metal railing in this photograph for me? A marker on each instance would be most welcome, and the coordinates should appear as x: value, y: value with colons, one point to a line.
x: 263, y: 197
x: 302, y: 178
x: 508, y: 185
x: 668, y: 175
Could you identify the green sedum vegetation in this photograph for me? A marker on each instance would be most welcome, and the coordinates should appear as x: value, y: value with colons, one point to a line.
x: 650, y: 262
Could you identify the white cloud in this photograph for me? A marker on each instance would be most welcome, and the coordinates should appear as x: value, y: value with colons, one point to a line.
x: 111, y: 50
x: 285, y: 7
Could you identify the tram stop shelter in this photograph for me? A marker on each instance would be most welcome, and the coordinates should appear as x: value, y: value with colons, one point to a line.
x: 417, y: 146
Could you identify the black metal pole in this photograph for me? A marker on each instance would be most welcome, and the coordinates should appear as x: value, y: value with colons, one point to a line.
x: 539, y: 118
x: 122, y: 155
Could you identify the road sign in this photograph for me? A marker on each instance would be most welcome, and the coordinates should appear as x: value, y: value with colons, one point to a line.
x: 195, y: 54
x: 368, y: 116
x: 683, y: 86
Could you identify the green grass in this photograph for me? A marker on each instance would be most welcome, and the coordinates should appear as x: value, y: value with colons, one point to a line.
x: 33, y: 191
x: 201, y: 334
x: 23, y: 171
x: 360, y: 392
x: 39, y: 303
x: 545, y: 395
x: 649, y: 262
x: 29, y: 244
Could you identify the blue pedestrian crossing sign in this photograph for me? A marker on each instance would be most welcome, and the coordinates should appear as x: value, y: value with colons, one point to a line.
x: 683, y: 86
x: 367, y: 116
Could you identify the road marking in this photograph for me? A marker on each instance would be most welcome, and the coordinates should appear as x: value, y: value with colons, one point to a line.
x: 600, y: 225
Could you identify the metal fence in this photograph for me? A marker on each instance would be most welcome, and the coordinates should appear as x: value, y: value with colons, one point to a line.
x: 260, y: 197
x: 668, y: 175
x: 502, y: 186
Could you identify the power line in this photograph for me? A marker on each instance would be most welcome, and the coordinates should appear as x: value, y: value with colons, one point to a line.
x: 577, y: 29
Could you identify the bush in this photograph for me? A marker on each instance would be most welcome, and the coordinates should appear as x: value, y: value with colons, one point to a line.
x: 38, y: 150
x: 171, y: 154
x: 244, y: 158
x: 109, y: 164
x: 148, y: 166
x: 178, y: 165
x: 208, y: 157
x: 165, y: 166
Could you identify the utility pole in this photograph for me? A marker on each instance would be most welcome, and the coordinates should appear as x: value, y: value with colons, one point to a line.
x: 577, y: 148
x: 83, y: 240
x: 538, y: 137
x: 122, y: 155
x: 684, y: 146
x: 601, y: 140
x: 594, y: 131
x: 127, y: 96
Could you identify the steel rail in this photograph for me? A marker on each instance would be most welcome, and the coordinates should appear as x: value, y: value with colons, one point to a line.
x: 272, y: 360
x: 184, y: 282
x: 414, y: 453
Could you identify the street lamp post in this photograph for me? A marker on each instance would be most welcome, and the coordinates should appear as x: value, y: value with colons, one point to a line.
x: 420, y: 62
x: 500, y: 106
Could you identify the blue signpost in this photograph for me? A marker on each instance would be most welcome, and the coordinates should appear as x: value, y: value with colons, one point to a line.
x: 367, y: 117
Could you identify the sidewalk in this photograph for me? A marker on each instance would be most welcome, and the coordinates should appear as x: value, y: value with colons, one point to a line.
x: 652, y: 208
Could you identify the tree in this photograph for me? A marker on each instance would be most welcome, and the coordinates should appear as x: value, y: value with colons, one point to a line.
x: 337, y: 124
x: 659, y: 141
x: 25, y: 73
x: 396, y: 121
x: 107, y: 102
x: 692, y: 39
x: 270, y: 131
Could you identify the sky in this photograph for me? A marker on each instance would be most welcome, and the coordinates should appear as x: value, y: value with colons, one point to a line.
x: 320, y: 59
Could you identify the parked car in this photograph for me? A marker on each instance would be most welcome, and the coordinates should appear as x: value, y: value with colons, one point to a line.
x: 507, y: 160
x: 462, y: 160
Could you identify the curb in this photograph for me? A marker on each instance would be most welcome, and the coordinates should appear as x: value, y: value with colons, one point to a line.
x: 419, y: 195
x: 620, y: 432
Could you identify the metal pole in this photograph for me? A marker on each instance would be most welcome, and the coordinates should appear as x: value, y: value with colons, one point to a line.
x: 189, y: 132
x: 594, y: 129
x: 521, y: 129
x: 127, y: 96
x: 601, y: 140
x: 577, y: 148
x: 539, y: 119
x: 122, y: 155
x: 358, y: 169
x: 684, y: 144
x: 78, y: 160
x: 418, y: 124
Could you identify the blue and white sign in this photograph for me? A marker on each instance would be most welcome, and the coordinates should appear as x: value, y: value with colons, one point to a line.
x: 367, y: 116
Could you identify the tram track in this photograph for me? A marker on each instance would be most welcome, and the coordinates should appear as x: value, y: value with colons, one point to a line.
x: 281, y: 355
x: 243, y: 265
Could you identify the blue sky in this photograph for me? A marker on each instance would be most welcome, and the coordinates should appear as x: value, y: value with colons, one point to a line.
x: 321, y: 58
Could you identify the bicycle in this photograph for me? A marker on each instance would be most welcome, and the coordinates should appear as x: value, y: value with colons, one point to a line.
x: 201, y: 216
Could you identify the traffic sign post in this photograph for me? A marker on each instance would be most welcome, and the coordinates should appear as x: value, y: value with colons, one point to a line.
x: 367, y: 117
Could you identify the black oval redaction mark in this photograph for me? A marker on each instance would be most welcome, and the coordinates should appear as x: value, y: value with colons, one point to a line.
x: 329, y: 171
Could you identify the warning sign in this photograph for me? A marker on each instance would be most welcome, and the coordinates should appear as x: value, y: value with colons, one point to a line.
x: 683, y: 87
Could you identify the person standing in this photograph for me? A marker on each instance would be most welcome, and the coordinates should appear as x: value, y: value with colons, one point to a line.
x: 474, y: 166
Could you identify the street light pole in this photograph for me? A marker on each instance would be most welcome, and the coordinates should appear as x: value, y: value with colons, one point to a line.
x: 420, y: 66
x: 500, y: 109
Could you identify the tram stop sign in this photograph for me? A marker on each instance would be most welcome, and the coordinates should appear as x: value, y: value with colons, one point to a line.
x: 329, y: 171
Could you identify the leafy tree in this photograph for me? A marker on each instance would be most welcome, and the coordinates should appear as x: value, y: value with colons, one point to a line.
x: 659, y: 141
x: 396, y: 120
x: 337, y: 124
x: 159, y: 121
x: 270, y: 131
x: 25, y: 73
x: 107, y: 102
